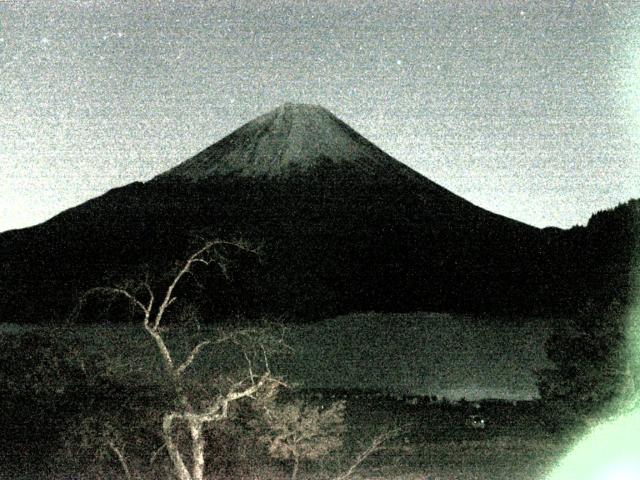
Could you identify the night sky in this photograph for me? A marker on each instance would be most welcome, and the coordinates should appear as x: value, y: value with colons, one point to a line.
x: 528, y: 109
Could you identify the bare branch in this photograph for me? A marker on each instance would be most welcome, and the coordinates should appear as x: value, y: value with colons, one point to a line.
x: 250, y: 369
x: 266, y: 361
x: 219, y: 409
x: 147, y: 312
x: 114, y: 291
x: 376, y: 445
x: 168, y: 297
x: 164, y: 351
x: 196, y: 257
x: 121, y: 459
x: 202, y: 260
x: 192, y: 356
x: 156, y: 453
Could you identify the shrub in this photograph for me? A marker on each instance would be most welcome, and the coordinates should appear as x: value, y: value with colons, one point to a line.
x: 591, y: 367
x: 298, y: 431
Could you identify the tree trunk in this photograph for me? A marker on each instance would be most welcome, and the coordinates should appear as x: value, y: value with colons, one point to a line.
x: 296, y: 465
x: 197, y: 448
x: 179, y: 468
x: 122, y: 460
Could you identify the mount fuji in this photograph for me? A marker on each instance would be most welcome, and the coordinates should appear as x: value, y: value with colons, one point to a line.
x: 342, y: 227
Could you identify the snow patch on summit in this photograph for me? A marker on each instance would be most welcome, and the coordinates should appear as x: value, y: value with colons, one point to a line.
x: 292, y: 135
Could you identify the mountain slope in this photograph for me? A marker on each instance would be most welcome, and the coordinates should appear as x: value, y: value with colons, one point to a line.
x: 343, y: 227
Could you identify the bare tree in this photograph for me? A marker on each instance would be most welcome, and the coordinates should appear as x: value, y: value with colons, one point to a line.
x: 298, y: 432
x: 195, y: 416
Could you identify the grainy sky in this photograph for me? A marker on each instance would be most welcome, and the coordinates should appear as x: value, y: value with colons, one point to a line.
x: 529, y: 109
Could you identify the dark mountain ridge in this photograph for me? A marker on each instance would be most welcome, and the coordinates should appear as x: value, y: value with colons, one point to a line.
x: 343, y: 227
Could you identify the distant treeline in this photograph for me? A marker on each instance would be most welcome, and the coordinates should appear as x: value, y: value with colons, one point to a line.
x: 322, y: 394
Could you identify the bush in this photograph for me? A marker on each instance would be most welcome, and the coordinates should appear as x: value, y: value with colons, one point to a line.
x: 590, y: 364
x: 37, y: 364
x: 46, y: 378
x: 298, y: 431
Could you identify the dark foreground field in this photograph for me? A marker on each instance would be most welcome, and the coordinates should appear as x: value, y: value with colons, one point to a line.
x: 67, y: 392
x: 433, y: 443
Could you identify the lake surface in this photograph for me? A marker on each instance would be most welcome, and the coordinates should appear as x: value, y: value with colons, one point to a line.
x: 452, y: 356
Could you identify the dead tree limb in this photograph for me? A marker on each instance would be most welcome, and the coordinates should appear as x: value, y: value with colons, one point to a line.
x: 193, y: 418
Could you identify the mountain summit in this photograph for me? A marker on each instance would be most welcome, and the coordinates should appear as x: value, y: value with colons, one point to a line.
x: 291, y: 138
